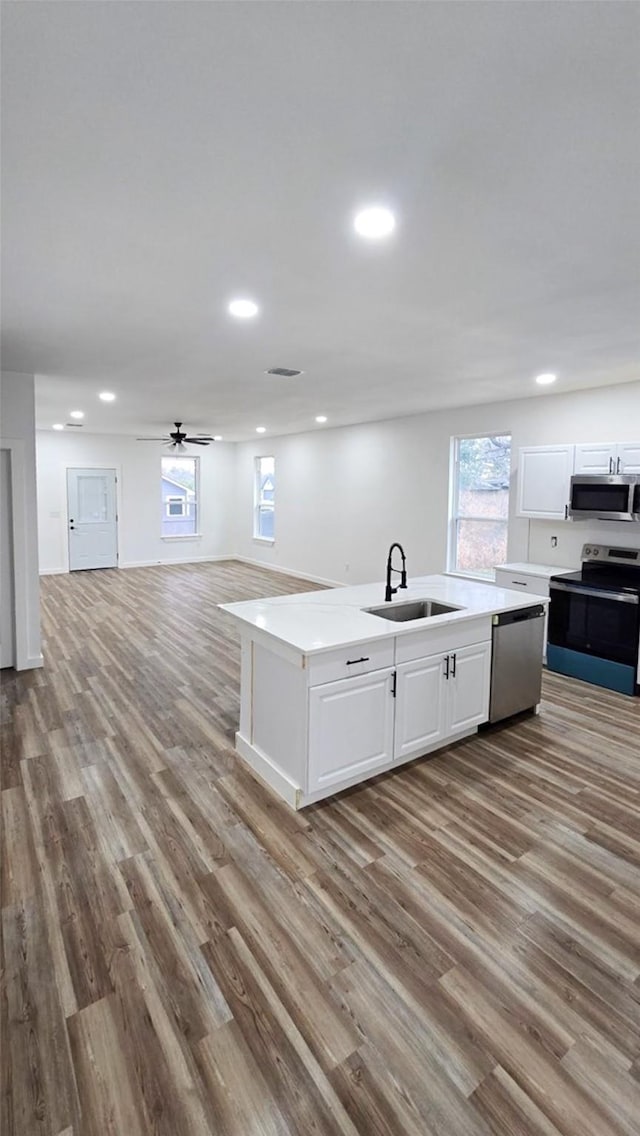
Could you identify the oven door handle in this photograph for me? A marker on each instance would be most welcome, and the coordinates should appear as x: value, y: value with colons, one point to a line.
x: 619, y: 597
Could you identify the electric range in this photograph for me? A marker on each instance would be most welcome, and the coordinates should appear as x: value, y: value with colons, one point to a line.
x: 594, y: 619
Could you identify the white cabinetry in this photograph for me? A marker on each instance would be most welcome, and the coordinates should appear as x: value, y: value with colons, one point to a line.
x: 441, y: 696
x: 468, y: 688
x: 628, y: 458
x: 544, y: 478
x: 605, y: 458
x: 420, y: 704
x: 314, y: 724
x: 350, y: 728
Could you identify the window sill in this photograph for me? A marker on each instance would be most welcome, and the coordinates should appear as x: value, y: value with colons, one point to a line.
x: 179, y: 536
x: 264, y: 540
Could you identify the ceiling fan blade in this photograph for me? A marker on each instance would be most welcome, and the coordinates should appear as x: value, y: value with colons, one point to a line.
x: 196, y: 441
x: 162, y: 439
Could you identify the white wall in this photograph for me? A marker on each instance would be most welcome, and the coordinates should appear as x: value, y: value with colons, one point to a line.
x: 343, y: 495
x: 138, y: 470
x: 18, y: 437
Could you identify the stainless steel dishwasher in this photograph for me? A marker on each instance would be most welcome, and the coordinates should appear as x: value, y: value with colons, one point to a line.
x: 516, y: 661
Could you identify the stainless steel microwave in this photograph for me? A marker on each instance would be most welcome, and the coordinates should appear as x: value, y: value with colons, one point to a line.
x: 611, y: 498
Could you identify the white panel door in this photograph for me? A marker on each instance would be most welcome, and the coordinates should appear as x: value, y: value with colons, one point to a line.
x: 350, y: 728
x: 93, y: 535
x: 420, y: 705
x: 468, y: 687
x: 7, y: 596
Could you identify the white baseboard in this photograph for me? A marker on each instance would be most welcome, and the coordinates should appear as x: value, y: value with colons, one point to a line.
x: 174, y: 560
x: 288, y: 571
x: 211, y: 559
x: 146, y: 564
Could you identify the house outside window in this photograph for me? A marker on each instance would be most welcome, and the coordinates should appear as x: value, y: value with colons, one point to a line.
x: 179, y: 496
x: 264, y: 499
x: 479, y: 503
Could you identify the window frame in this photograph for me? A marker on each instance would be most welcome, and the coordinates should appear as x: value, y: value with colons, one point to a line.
x: 454, y: 516
x: 182, y: 501
x: 195, y: 503
x: 259, y: 504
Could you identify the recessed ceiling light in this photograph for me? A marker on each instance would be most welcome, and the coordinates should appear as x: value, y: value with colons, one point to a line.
x: 546, y: 379
x: 243, y: 309
x: 321, y: 418
x: 217, y: 437
x: 76, y: 414
x: 260, y: 429
x: 107, y: 396
x: 57, y: 426
x: 374, y: 223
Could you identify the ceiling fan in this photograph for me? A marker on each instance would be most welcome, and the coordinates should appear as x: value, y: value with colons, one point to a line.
x: 175, y: 439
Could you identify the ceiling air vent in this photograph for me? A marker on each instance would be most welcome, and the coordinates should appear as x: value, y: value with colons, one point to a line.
x: 286, y: 372
x: 74, y: 425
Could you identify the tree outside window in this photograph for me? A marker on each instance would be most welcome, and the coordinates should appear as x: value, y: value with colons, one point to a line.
x: 479, y: 504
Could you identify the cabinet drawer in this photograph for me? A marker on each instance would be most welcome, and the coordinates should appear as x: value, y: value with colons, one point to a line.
x: 345, y: 662
x: 518, y: 582
x: 449, y: 637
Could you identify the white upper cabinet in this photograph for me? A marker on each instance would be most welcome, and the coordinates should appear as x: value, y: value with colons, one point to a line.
x: 604, y: 458
x: 629, y: 457
x: 544, y: 477
x: 597, y: 458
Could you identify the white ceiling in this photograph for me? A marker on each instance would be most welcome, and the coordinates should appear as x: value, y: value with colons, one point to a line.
x: 160, y: 158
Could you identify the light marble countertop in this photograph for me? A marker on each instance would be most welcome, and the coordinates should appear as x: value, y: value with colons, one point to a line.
x: 312, y: 622
x: 546, y: 571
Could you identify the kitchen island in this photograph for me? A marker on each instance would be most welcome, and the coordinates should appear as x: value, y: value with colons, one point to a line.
x: 332, y: 693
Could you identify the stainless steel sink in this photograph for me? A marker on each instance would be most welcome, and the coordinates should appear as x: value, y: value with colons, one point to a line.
x: 411, y: 609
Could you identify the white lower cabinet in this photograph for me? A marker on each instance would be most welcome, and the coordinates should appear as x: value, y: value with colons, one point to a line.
x: 420, y: 704
x: 356, y: 725
x: 468, y: 687
x: 350, y: 728
x: 440, y: 696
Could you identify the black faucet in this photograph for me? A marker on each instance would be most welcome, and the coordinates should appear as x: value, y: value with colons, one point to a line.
x: 389, y: 591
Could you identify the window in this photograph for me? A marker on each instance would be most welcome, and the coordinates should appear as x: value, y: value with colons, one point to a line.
x: 175, y: 506
x: 479, y: 509
x: 264, y: 499
x: 179, y: 496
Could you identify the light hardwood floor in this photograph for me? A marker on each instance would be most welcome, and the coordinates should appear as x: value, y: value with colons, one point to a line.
x: 453, y: 949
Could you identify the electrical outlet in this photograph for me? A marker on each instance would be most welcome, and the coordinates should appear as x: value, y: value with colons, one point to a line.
x: 554, y: 542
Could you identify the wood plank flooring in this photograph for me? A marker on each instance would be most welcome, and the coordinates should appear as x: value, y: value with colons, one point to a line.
x: 451, y: 950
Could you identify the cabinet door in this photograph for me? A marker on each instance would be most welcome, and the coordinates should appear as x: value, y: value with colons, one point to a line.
x: 350, y: 728
x: 420, y: 705
x: 628, y: 459
x: 468, y: 687
x: 597, y: 459
x: 544, y: 477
